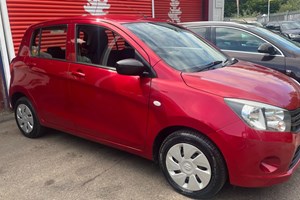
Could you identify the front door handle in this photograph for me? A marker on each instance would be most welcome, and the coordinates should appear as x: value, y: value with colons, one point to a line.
x: 78, y: 74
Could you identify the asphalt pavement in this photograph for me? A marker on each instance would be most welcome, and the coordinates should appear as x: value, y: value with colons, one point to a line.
x: 60, y: 166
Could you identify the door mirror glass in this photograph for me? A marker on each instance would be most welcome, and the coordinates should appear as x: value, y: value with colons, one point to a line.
x: 131, y: 67
x: 266, y: 48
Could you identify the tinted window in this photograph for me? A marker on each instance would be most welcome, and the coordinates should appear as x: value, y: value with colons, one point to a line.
x: 237, y: 40
x: 100, y: 46
x: 50, y: 42
x: 290, y: 26
x: 201, y: 31
x: 178, y: 47
x: 278, y: 40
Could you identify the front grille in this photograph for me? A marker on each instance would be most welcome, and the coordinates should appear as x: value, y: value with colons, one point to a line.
x: 295, y: 158
x: 295, y: 114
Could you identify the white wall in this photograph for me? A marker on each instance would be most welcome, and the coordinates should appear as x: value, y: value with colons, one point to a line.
x: 6, y: 45
x: 216, y: 10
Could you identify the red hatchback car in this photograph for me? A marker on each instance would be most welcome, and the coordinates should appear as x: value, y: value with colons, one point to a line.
x: 157, y: 90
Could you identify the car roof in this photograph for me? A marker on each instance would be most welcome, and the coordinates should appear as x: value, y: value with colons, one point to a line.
x: 289, y: 22
x: 280, y: 22
x: 217, y: 23
x: 117, y: 19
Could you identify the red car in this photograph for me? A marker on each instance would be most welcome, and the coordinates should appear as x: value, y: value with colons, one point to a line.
x: 157, y: 90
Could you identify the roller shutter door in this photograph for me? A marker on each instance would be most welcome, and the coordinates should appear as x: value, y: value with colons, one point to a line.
x: 181, y: 10
x: 24, y: 13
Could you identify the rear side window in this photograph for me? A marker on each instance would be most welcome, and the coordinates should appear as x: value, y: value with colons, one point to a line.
x: 49, y: 42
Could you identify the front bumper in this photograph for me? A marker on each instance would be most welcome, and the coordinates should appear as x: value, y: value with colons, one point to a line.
x: 258, y: 158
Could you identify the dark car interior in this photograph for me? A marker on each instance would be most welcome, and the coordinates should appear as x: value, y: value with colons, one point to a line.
x: 102, y: 46
x: 94, y: 44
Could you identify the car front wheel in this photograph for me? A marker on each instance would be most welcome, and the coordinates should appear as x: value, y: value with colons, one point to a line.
x: 192, y: 164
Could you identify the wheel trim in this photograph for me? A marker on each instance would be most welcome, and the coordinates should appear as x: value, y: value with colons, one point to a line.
x: 24, y: 118
x: 188, y: 167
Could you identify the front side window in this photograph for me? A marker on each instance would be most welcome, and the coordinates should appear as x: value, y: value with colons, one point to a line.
x: 279, y: 40
x: 237, y: 40
x: 100, y: 46
x: 49, y: 42
x: 178, y: 47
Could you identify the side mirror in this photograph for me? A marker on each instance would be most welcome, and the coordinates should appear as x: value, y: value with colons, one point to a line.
x: 131, y: 67
x: 266, y: 48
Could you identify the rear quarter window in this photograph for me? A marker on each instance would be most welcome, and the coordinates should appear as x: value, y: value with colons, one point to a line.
x: 49, y: 42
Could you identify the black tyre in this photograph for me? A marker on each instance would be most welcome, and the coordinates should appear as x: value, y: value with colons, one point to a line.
x: 192, y: 164
x: 27, y: 120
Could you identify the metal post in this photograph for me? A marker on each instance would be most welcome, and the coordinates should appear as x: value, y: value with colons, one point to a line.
x: 4, y: 72
x: 7, y: 45
x: 153, y: 9
x: 269, y: 10
x: 238, y: 8
x: 7, y: 30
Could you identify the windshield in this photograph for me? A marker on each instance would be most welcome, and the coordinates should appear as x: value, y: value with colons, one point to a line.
x: 178, y: 47
x: 290, y: 26
x: 281, y: 41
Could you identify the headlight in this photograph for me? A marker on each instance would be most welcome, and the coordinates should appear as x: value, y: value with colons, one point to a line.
x: 261, y: 116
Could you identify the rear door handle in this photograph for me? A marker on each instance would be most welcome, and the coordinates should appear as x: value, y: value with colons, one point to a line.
x: 78, y: 74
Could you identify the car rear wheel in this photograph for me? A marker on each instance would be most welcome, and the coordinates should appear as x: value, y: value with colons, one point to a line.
x: 26, y: 119
x: 192, y: 164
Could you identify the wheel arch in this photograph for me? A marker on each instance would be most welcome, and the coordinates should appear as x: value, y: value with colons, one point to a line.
x: 177, y: 163
x: 14, y: 98
x: 19, y: 93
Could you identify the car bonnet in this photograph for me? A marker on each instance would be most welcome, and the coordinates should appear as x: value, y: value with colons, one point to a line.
x: 248, y: 81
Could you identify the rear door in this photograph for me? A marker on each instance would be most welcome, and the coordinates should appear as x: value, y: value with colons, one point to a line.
x: 105, y: 105
x: 49, y: 74
x: 243, y: 45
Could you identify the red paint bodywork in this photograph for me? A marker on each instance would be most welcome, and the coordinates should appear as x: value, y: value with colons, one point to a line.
x: 118, y: 110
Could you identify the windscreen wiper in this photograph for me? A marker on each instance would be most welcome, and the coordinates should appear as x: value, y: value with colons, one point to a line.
x: 211, y: 65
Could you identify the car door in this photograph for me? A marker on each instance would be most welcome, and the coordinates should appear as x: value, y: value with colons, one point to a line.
x: 49, y: 75
x: 293, y: 67
x: 243, y: 45
x: 105, y: 105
